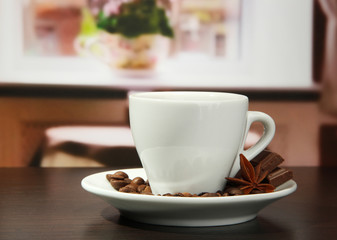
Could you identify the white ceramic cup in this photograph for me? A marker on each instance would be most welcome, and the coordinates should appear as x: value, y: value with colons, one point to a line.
x: 191, y: 141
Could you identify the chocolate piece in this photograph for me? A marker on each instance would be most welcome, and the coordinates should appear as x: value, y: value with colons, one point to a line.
x: 269, y: 161
x: 279, y: 176
x: 259, y: 157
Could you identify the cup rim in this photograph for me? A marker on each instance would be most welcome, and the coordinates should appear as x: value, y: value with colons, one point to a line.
x: 188, y: 96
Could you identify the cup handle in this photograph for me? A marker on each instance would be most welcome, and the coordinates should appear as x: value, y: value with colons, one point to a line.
x: 268, y: 134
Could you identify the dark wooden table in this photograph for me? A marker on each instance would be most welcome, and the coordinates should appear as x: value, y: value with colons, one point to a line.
x: 49, y: 203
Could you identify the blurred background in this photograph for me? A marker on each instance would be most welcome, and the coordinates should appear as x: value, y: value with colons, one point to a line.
x: 68, y: 66
x: 205, y: 27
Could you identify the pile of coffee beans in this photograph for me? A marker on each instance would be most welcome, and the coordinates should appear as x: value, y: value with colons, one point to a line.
x: 122, y: 183
x: 227, y: 192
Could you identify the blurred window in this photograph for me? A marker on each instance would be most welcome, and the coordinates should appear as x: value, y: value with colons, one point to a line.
x: 209, y: 28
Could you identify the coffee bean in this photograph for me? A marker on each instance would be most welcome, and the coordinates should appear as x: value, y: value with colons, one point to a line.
x: 256, y: 191
x: 128, y: 180
x: 117, y: 176
x: 109, y: 177
x: 128, y: 189
x: 117, y: 184
x: 141, y: 188
x: 147, y: 190
x: 186, y: 194
x: 147, y: 193
x: 211, y: 195
x: 233, y: 191
x: 138, y: 181
x: 132, y: 186
x: 121, y: 173
x: 220, y: 192
x: 178, y: 195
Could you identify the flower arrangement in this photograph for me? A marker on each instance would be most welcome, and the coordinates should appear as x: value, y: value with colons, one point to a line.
x: 131, y: 34
x: 134, y: 18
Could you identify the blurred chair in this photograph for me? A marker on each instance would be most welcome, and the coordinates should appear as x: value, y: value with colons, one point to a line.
x: 88, y: 146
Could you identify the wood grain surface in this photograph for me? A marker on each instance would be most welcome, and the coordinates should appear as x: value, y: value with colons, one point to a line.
x: 49, y: 203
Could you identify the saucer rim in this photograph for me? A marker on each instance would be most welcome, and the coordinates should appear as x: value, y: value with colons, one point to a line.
x: 281, y: 191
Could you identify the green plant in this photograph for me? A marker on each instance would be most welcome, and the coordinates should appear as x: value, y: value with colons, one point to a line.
x: 135, y: 18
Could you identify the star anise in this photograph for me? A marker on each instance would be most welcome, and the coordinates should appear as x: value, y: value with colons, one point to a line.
x: 251, y: 178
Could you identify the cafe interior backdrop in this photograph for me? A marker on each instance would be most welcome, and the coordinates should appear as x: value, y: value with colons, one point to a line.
x: 62, y: 64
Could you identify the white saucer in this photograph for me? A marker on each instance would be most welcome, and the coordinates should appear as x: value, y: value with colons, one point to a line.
x: 182, y: 211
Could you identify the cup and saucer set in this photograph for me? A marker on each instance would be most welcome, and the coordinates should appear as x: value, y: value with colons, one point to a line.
x: 190, y: 142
